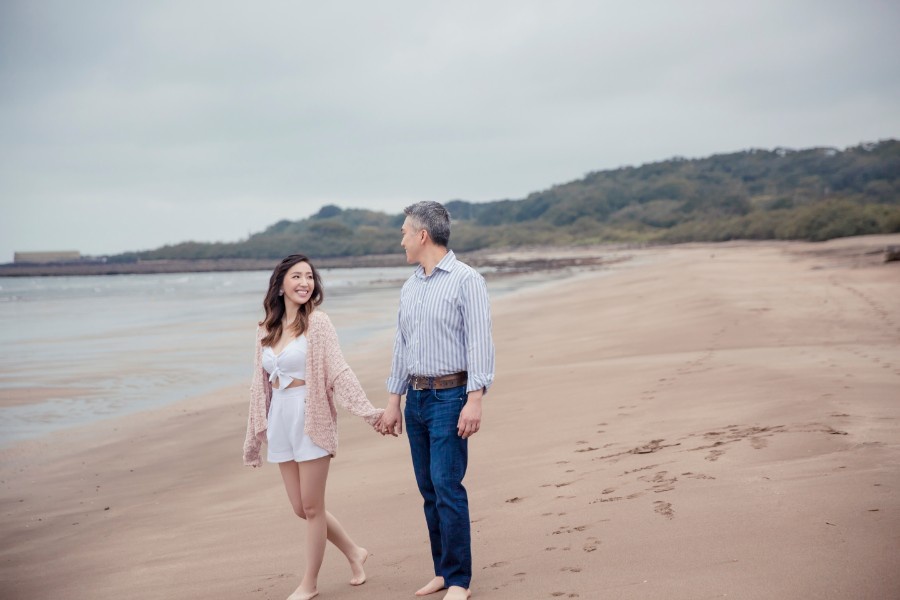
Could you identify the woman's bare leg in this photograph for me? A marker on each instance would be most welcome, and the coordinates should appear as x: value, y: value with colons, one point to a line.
x: 313, y: 477
x: 336, y: 534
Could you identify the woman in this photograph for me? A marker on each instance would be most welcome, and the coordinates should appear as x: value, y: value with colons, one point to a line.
x: 299, y: 374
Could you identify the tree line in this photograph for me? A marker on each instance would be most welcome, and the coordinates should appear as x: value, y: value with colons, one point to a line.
x: 813, y: 194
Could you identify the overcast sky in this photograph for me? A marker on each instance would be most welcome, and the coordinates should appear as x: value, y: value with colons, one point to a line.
x: 129, y: 125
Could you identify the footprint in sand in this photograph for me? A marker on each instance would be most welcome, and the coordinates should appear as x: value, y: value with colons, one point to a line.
x: 661, y: 482
x: 606, y: 499
x: 274, y: 583
x: 652, y: 446
x: 758, y: 443
x: 591, y: 545
x: 664, y: 509
x: 639, y: 469
x: 714, y: 455
x: 566, y: 529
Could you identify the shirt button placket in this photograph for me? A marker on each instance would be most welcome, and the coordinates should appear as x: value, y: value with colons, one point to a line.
x: 419, y: 309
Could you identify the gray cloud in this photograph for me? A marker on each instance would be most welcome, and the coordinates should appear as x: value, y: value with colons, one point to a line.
x: 126, y: 125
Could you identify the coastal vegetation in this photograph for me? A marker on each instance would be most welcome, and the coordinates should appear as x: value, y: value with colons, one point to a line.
x: 813, y: 194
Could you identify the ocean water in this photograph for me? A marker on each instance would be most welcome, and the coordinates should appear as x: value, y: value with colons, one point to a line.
x: 74, y: 350
x: 78, y: 349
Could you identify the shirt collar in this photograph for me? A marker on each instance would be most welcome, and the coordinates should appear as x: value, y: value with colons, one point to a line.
x: 446, y: 264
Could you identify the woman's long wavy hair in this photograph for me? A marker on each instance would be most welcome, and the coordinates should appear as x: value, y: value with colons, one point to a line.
x: 274, y: 303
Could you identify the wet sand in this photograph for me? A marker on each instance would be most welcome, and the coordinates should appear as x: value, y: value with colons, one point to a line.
x: 700, y: 421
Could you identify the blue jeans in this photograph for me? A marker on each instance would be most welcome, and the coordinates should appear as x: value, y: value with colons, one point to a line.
x: 439, y: 459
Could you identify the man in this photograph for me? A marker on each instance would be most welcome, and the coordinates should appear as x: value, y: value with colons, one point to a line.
x: 444, y: 362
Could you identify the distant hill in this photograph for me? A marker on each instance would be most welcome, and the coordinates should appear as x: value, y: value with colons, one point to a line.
x: 814, y: 194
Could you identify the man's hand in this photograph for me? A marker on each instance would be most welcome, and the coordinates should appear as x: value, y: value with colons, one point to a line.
x: 392, y: 420
x: 470, y: 416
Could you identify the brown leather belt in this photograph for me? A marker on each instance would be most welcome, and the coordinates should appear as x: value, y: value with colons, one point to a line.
x: 438, y: 383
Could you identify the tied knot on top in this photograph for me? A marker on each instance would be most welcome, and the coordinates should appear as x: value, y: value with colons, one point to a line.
x: 283, y: 380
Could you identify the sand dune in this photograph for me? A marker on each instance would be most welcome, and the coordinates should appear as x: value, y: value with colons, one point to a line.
x: 700, y: 421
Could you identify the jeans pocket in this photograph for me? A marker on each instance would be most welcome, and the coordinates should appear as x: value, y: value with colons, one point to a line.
x: 456, y: 394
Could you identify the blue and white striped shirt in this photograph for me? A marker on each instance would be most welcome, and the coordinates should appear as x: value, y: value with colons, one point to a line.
x: 443, y: 327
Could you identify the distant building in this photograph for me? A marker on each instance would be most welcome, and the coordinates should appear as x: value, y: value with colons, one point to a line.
x: 63, y: 256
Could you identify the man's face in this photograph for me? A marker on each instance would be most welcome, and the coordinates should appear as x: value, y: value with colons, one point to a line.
x: 412, y: 241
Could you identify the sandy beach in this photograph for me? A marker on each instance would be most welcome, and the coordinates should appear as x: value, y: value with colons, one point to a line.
x: 699, y: 421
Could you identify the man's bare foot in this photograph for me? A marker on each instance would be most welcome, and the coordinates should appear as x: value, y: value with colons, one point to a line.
x: 435, y: 585
x: 300, y: 594
x: 356, y: 565
x: 455, y: 592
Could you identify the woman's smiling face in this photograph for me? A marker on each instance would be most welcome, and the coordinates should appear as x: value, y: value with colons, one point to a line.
x: 298, y: 284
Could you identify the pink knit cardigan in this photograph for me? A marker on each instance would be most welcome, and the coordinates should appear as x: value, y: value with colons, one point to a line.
x: 328, y: 378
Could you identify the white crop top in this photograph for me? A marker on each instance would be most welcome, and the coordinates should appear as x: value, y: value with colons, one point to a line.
x: 287, y: 366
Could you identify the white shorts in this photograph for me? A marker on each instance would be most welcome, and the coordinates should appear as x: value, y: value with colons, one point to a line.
x: 286, y: 440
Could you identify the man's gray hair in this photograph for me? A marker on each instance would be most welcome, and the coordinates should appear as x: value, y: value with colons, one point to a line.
x: 433, y: 218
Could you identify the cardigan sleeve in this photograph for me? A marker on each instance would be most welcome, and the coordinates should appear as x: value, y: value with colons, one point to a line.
x: 347, y: 391
x: 256, y: 414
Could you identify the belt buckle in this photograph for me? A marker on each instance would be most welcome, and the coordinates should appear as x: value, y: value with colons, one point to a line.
x: 416, y: 383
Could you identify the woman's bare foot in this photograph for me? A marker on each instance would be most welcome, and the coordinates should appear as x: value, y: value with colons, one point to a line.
x: 301, y: 594
x: 435, y: 585
x: 356, y: 566
x: 455, y: 592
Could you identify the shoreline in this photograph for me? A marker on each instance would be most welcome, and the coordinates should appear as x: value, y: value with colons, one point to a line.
x: 709, y: 420
x: 499, y: 261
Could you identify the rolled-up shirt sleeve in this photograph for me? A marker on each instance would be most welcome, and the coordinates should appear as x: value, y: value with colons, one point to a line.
x: 476, y: 312
x: 399, y: 378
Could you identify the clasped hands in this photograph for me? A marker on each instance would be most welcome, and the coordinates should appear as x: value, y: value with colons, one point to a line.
x: 391, y: 420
